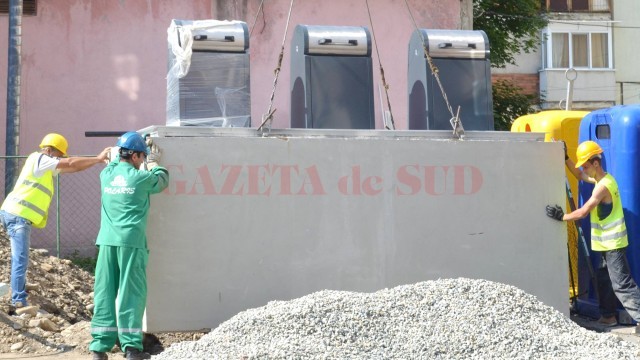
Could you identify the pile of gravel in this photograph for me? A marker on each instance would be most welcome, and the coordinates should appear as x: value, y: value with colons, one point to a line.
x: 443, y: 319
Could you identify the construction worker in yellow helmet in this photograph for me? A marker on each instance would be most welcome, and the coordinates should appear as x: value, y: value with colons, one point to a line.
x: 608, y: 233
x: 28, y: 203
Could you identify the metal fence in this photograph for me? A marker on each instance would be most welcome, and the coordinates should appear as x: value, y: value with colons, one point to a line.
x: 74, y: 214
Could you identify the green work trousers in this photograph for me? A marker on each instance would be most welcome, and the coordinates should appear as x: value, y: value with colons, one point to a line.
x: 120, y: 272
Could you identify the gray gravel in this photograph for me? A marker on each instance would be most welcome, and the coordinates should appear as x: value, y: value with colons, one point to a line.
x: 443, y: 319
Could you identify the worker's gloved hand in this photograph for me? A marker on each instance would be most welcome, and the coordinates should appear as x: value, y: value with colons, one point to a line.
x: 105, y: 155
x: 154, y: 154
x: 555, y: 212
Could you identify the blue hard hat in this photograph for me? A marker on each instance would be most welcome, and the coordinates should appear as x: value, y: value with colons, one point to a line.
x: 132, y: 141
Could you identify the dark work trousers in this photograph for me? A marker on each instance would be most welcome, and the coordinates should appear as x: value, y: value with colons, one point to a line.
x: 614, y: 278
x: 608, y: 300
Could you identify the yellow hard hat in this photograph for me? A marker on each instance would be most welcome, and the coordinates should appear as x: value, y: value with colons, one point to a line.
x: 586, y: 150
x: 55, y: 140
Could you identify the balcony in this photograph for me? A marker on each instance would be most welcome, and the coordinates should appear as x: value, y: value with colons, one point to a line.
x: 592, y: 89
x: 576, y: 5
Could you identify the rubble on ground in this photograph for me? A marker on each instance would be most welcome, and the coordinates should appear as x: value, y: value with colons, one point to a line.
x: 60, y: 308
x: 482, y: 319
x: 441, y: 319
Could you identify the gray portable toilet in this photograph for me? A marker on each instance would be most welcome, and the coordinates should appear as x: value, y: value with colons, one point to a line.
x: 462, y: 60
x: 208, y: 81
x: 331, y: 78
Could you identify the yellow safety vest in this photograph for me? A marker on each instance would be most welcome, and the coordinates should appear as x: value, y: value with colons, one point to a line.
x: 611, y: 232
x: 31, y: 195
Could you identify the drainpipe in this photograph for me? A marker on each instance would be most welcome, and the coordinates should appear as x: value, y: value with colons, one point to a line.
x: 466, y: 14
x: 13, y: 94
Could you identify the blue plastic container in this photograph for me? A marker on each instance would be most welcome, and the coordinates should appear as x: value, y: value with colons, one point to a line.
x: 617, y: 131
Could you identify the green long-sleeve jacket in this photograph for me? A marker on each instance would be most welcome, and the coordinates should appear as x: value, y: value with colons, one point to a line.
x: 125, y: 203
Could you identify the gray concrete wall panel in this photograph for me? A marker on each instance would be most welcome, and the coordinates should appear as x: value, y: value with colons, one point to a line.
x: 248, y: 220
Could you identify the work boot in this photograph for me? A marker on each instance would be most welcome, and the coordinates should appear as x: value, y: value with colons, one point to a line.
x: 13, y: 307
x: 98, y: 355
x: 135, y: 354
x: 608, y: 321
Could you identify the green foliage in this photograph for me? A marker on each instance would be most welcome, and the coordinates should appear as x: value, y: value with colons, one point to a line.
x: 512, y: 26
x: 509, y: 103
x: 87, y: 263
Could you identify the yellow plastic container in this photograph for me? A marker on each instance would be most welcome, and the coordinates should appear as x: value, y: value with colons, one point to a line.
x: 559, y: 125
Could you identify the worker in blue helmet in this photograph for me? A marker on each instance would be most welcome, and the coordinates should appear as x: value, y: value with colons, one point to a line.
x: 122, y: 243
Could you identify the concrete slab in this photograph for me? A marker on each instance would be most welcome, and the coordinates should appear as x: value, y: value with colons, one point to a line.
x: 248, y: 219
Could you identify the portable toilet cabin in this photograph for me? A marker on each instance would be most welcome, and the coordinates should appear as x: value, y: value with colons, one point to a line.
x: 331, y: 78
x: 561, y: 125
x: 462, y: 61
x: 617, y: 131
x: 208, y: 82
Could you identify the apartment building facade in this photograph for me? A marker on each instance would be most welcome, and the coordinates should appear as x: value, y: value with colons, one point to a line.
x: 586, y: 47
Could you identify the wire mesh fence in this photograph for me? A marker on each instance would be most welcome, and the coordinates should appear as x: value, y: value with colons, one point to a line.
x: 74, y: 214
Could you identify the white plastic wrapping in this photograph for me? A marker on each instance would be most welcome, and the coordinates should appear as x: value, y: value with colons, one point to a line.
x: 208, y: 79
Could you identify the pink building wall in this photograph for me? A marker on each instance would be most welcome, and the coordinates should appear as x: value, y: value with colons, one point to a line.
x: 100, y: 65
x: 90, y: 65
x: 392, y: 28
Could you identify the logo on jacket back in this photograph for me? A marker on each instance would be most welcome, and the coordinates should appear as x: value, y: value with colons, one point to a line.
x: 119, y: 181
x: 118, y: 186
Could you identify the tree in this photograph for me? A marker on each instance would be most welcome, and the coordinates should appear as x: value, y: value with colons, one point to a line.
x: 513, y: 27
x: 508, y: 103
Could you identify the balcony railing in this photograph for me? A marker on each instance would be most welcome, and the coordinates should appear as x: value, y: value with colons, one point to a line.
x: 576, y: 5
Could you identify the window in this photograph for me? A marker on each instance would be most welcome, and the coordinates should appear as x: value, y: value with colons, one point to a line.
x: 28, y: 7
x: 599, y: 50
x: 580, y: 50
x: 603, y: 131
x: 576, y: 5
x: 577, y: 50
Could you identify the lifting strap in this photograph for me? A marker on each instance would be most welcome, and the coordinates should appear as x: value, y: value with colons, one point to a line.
x: 256, y: 18
x: 455, y: 121
x: 384, y: 81
x: 268, y: 116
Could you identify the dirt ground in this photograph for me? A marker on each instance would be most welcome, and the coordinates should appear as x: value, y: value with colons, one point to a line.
x: 59, y: 325
x: 68, y: 355
x: 81, y: 352
x: 59, y: 328
x: 627, y: 333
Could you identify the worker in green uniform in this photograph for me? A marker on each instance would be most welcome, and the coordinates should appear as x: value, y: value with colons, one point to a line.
x: 122, y: 243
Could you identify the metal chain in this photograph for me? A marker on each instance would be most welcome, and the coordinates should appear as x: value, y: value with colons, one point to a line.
x: 268, y: 116
x: 455, y: 120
